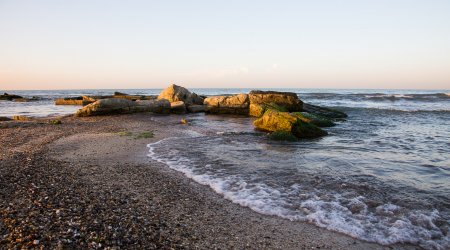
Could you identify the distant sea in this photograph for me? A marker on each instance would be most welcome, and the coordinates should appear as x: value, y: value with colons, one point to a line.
x: 383, y: 175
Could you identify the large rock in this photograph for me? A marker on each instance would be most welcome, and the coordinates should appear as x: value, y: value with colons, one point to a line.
x: 123, y: 106
x: 275, y: 121
x: 154, y: 106
x: 236, y: 104
x: 175, y: 93
x: 287, y: 100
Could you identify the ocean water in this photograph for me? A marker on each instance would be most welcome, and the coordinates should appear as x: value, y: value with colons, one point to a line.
x: 382, y: 175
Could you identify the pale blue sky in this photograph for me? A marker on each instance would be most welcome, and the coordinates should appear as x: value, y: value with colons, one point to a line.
x: 149, y: 44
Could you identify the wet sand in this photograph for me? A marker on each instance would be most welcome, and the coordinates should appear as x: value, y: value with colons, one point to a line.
x: 89, y: 183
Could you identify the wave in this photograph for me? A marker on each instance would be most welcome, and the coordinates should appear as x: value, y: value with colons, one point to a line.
x: 428, y: 97
x: 340, y: 211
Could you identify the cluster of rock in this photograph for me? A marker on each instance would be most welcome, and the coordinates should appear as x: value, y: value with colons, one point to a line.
x: 281, y: 112
x: 17, y: 98
x: 85, y: 100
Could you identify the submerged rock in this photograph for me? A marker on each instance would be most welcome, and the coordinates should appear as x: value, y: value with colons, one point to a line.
x: 324, y: 112
x: 175, y: 93
x: 288, y: 100
x: 236, y: 104
x: 317, y: 120
x: 274, y: 120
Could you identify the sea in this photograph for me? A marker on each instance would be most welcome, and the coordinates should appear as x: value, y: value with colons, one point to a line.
x: 381, y: 175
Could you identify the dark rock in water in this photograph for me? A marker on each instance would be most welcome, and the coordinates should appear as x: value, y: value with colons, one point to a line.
x: 119, y: 93
x: 124, y: 106
x: 303, y: 129
x: 274, y: 120
x: 317, y: 120
x: 282, y: 136
x: 321, y: 111
x: 4, y: 119
x: 9, y: 97
x: 287, y: 100
x: 178, y: 107
x: 175, y: 93
x: 236, y: 104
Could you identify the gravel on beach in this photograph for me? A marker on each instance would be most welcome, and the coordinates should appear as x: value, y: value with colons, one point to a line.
x: 88, y: 183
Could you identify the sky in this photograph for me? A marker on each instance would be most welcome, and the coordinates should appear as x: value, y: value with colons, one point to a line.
x: 400, y: 44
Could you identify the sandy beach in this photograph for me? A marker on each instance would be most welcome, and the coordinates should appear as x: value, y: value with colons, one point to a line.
x: 89, y: 183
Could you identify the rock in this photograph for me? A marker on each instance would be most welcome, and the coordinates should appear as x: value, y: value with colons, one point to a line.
x: 9, y: 97
x: 317, y: 120
x: 119, y: 93
x: 121, y: 106
x: 178, y: 107
x: 55, y: 122
x: 236, y: 104
x: 154, y: 106
x: 21, y: 118
x: 196, y: 108
x: 287, y: 100
x: 70, y: 101
x: 4, y: 119
x: 175, y: 93
x: 257, y: 110
x: 107, y: 106
x: 282, y: 136
x: 324, y: 112
x: 184, y: 121
x: 274, y: 120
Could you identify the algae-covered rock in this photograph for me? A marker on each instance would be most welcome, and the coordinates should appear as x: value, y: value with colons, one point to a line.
x: 282, y: 136
x: 317, y: 120
x: 303, y: 129
x: 274, y: 120
x: 236, y: 104
x: 324, y: 112
x: 287, y: 100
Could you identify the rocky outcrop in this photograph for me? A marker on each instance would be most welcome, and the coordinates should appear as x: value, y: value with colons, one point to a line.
x: 324, y: 112
x: 121, y: 106
x: 287, y: 100
x: 175, y: 93
x: 236, y: 104
x: 4, y: 119
x: 9, y: 97
x: 274, y: 120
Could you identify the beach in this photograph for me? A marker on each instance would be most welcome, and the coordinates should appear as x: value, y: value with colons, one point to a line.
x: 84, y: 183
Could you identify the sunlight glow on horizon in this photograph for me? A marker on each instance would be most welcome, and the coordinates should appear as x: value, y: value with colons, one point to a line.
x: 215, y: 44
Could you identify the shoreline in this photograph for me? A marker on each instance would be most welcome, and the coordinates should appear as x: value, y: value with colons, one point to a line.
x: 83, y: 184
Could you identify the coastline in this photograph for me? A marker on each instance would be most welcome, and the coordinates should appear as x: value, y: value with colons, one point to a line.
x: 83, y: 184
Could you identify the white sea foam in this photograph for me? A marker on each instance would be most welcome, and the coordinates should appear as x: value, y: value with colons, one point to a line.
x: 388, y: 224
